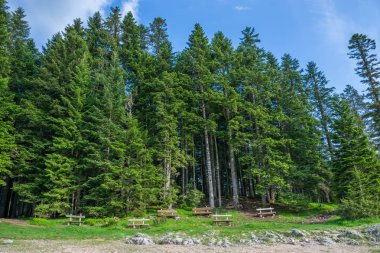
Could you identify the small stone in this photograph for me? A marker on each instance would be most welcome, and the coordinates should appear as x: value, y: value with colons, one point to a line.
x: 352, y: 242
x: 297, y: 233
x: 177, y: 241
x: 322, y: 240
x: 212, y: 242
x: 188, y: 242
x: 226, y: 243
x: 350, y: 233
x: 374, y: 231
x: 7, y: 241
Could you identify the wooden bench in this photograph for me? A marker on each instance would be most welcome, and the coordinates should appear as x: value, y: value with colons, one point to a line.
x: 202, y: 211
x: 222, y: 219
x: 170, y: 213
x: 138, y: 223
x: 77, y: 221
x: 262, y: 212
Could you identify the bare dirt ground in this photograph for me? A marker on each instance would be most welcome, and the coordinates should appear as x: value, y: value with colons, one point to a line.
x: 103, y: 246
x: 17, y: 222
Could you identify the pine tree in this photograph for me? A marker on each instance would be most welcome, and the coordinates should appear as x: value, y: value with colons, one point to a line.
x: 7, y: 106
x: 161, y: 46
x: 113, y: 26
x: 356, y: 167
x: 368, y: 68
x: 97, y: 42
x: 222, y: 56
x: 105, y: 136
x: 357, y: 103
x: 23, y: 53
x: 258, y: 79
x: 61, y: 87
x: 311, y: 176
x: 198, y: 68
x: 321, y: 97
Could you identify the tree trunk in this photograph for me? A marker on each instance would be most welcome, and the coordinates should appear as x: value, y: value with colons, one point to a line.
x: 208, y: 160
x: 217, y: 172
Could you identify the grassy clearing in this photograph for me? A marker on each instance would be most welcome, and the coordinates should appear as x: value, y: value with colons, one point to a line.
x: 193, y: 226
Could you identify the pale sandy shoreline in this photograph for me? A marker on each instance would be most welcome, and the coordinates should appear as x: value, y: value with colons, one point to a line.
x: 105, y: 246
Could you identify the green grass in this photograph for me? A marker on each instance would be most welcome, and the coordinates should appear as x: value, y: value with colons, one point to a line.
x: 193, y: 226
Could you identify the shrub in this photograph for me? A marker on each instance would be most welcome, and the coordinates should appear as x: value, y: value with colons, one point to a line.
x: 295, y: 202
x: 107, y: 222
x: 91, y: 221
x: 39, y: 221
x: 359, y: 208
x: 191, y: 198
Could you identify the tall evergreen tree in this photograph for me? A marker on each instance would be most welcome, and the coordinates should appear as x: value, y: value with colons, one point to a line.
x: 321, y: 97
x: 222, y: 56
x: 368, y: 68
x: 7, y: 106
x: 198, y: 68
x: 160, y: 44
x: 311, y: 175
x: 356, y: 166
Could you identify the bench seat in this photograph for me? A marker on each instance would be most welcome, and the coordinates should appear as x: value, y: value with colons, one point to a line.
x: 138, y: 225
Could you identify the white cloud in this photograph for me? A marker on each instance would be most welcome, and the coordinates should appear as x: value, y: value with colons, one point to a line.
x: 47, y: 17
x: 241, y: 8
x: 335, y: 27
x: 131, y: 6
x: 338, y: 28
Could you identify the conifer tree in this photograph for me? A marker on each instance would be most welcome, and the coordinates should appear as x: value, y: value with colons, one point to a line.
x: 7, y: 106
x: 160, y: 44
x: 368, y: 68
x: 222, y: 56
x: 356, y: 167
x: 321, y: 97
x: 198, y: 68
x: 311, y: 175
x: 23, y: 54
x: 97, y: 42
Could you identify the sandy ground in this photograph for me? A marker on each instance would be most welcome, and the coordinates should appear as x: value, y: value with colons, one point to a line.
x: 103, y: 246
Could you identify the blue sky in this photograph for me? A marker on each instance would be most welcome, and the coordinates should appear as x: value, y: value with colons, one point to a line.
x: 309, y: 30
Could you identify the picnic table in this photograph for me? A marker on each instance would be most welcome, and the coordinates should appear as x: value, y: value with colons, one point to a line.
x: 169, y: 213
x: 138, y: 223
x: 222, y: 218
x: 262, y: 212
x: 75, y: 219
x: 202, y: 211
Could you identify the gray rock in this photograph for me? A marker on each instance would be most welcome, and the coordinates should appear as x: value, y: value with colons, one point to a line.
x: 177, y: 241
x: 352, y: 242
x: 271, y: 237
x: 188, y: 242
x: 140, y: 239
x: 168, y: 238
x: 291, y: 241
x: 7, y: 241
x: 226, y: 243
x: 196, y: 241
x: 351, y: 234
x: 373, y: 231
x: 169, y: 234
x: 212, y: 242
x: 323, y: 240
x: 244, y: 242
x: 297, y: 233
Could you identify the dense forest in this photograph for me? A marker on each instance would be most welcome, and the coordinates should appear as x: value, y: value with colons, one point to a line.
x: 108, y: 120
